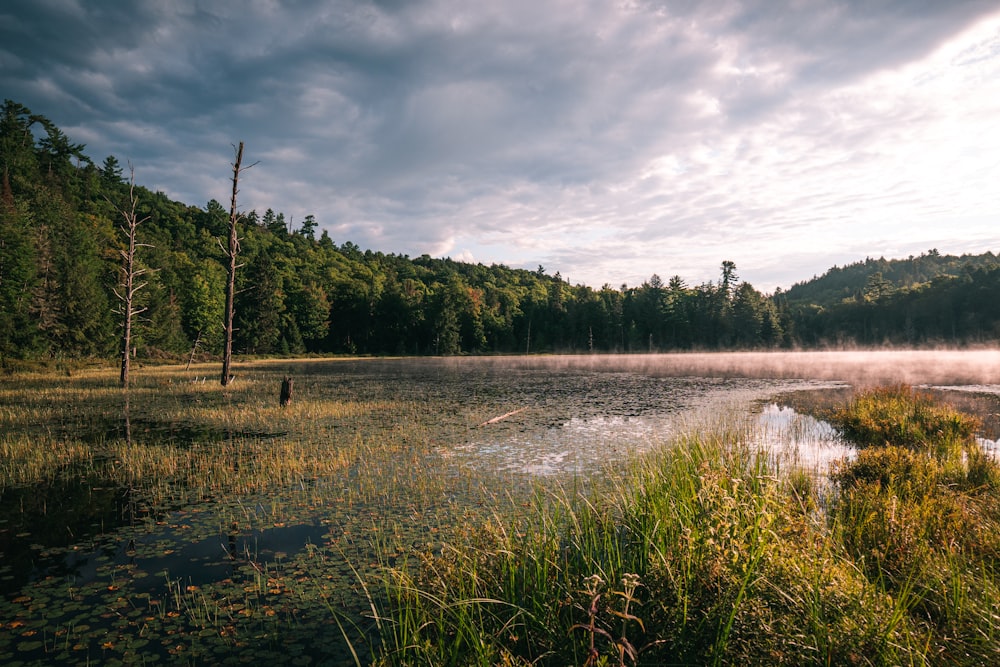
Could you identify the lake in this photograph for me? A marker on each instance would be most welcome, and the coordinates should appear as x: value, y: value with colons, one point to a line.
x: 99, y: 566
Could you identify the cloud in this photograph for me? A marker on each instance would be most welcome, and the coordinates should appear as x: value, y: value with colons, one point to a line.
x: 605, y: 140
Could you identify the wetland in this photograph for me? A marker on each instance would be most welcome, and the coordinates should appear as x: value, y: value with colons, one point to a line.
x: 183, y: 522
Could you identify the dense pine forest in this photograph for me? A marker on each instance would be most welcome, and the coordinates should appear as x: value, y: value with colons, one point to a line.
x: 61, y: 277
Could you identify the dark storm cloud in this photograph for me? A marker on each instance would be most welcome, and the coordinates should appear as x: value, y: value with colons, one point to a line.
x: 516, y: 131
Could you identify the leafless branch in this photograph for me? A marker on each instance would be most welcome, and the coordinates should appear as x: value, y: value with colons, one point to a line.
x: 129, y: 271
x: 232, y: 250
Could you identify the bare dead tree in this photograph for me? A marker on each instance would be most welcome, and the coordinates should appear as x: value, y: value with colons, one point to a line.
x: 232, y: 251
x: 194, y: 348
x: 130, y: 273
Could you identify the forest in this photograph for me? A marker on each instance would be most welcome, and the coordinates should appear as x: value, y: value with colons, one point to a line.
x: 61, y: 277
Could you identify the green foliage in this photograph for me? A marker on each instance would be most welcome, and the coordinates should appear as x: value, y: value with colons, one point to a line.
x: 918, y: 510
x: 259, y: 307
x: 58, y: 261
x: 204, y: 302
x: 848, y: 282
x: 697, y: 559
x: 928, y: 299
x: 18, y: 267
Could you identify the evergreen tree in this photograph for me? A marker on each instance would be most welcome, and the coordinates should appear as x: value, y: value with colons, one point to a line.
x: 85, y: 314
x: 260, y: 308
x: 309, y: 227
x: 111, y: 174
x: 58, y: 269
x: 203, y: 305
x: 18, y: 267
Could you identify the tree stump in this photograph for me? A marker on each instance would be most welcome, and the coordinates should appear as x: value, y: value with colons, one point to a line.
x: 286, y: 391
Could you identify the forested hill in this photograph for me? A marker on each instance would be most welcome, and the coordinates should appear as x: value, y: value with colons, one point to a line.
x: 299, y: 291
x: 850, y: 281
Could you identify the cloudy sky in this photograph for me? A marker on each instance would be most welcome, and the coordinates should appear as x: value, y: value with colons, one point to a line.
x: 607, y: 140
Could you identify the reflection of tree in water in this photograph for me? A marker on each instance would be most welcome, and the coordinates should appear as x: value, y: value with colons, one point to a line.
x: 41, y: 521
x: 127, y: 422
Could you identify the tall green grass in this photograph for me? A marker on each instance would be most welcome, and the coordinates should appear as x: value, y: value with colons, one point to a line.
x: 919, y: 512
x: 709, y: 553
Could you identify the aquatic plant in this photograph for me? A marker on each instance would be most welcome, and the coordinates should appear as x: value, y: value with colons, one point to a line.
x: 715, y: 564
x: 902, y: 417
x: 918, y: 511
x: 398, y: 548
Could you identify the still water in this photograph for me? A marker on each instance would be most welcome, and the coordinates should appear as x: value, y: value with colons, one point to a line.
x: 575, y: 414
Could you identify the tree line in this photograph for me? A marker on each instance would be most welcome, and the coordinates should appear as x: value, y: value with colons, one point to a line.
x: 296, y: 291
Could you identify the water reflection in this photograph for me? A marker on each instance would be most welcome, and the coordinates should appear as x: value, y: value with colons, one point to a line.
x: 156, y: 432
x: 581, y: 432
x: 794, y: 425
x: 578, y: 445
x: 127, y: 421
x: 39, y: 523
x: 801, y: 439
x: 991, y: 447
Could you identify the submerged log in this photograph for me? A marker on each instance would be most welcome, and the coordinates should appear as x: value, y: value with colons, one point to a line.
x: 286, y: 391
x: 502, y: 417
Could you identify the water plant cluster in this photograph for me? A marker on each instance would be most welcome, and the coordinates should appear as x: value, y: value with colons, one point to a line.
x: 713, y: 552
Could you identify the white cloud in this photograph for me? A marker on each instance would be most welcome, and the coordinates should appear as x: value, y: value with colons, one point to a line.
x: 605, y: 141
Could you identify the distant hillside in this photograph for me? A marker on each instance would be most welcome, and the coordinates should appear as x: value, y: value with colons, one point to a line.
x: 851, y: 281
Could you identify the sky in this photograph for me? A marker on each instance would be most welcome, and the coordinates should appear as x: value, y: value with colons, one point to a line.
x: 606, y: 140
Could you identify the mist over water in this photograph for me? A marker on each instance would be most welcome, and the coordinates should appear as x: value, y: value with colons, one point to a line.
x: 858, y: 368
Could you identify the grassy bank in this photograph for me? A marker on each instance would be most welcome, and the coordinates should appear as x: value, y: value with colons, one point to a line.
x: 711, y: 553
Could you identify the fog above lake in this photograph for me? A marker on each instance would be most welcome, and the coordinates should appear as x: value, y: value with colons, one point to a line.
x: 859, y: 368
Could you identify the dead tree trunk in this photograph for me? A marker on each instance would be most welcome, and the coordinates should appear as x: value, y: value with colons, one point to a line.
x: 194, y: 348
x: 286, y: 392
x: 129, y: 275
x: 232, y: 251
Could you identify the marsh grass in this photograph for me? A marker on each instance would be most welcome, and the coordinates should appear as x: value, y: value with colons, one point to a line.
x: 902, y: 417
x: 919, y: 512
x: 708, y: 549
x: 236, y: 441
x: 707, y: 552
x: 199, y: 467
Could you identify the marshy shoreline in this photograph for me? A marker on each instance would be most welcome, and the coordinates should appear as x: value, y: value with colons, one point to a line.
x: 383, y: 512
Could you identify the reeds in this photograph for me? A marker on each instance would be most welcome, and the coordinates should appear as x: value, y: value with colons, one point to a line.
x: 901, y: 417
x: 919, y: 512
x: 200, y: 465
x: 706, y: 553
